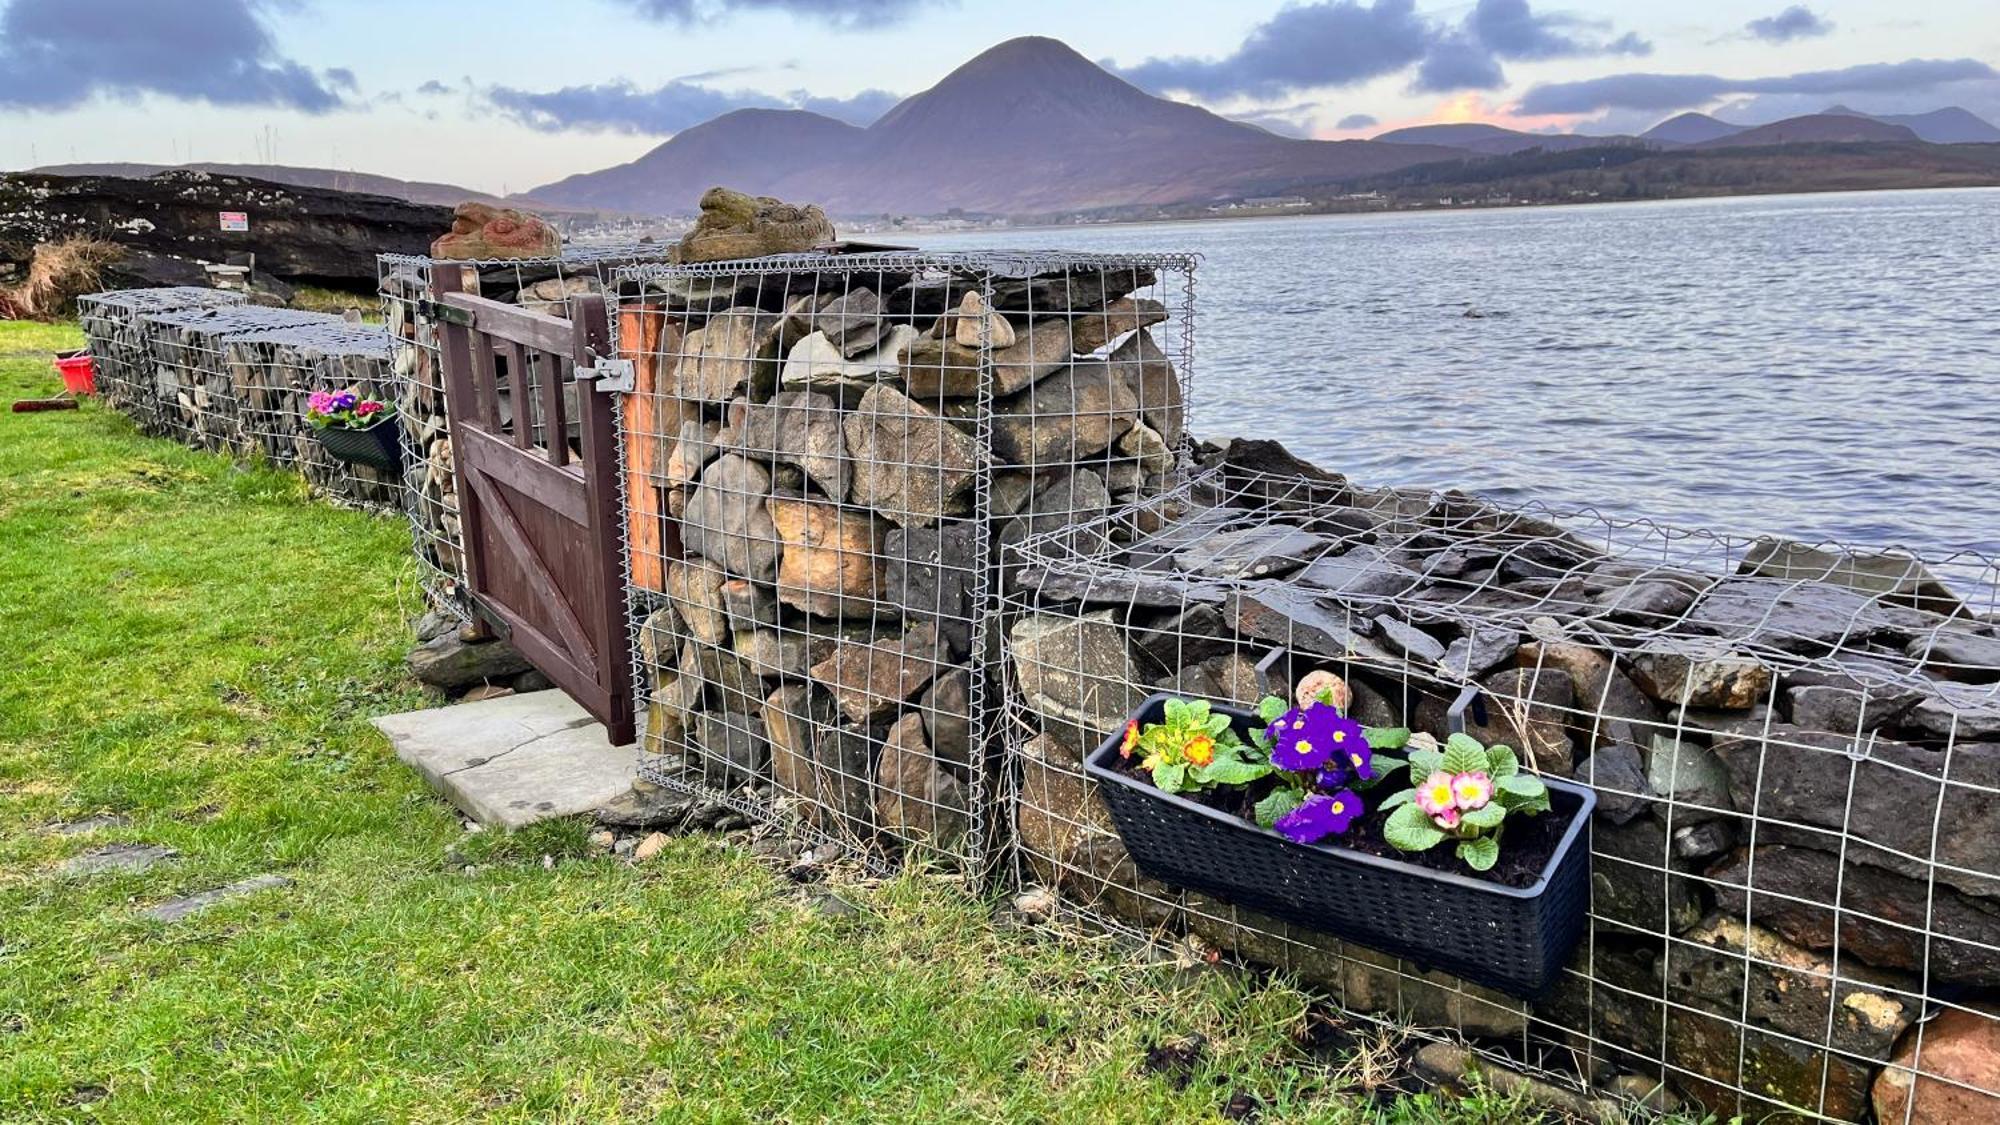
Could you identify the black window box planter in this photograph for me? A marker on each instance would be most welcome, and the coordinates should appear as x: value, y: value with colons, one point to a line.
x: 1512, y: 939
x: 380, y: 445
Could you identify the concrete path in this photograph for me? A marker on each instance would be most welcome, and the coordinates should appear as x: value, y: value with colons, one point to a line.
x: 514, y: 760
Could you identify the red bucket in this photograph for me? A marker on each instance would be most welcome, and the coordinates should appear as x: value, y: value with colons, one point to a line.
x: 78, y: 371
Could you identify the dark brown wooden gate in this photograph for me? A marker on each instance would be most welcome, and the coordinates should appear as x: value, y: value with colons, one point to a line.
x: 539, y: 516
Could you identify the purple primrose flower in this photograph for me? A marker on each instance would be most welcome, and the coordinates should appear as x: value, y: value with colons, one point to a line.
x: 1307, y: 738
x: 1319, y: 817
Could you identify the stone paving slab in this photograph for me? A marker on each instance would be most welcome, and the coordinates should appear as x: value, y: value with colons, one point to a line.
x: 515, y: 760
x: 123, y: 858
x: 175, y: 909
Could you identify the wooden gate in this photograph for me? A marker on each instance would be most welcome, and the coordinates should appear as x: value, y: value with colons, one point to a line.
x: 539, y: 516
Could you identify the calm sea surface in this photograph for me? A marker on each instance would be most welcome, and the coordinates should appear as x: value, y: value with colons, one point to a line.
x: 1824, y: 367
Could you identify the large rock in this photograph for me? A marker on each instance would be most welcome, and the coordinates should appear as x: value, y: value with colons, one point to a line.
x: 1067, y: 501
x: 1884, y: 919
x: 1637, y: 885
x: 1228, y: 678
x: 947, y: 714
x: 1065, y: 418
x: 734, y: 354
x: 910, y: 464
x: 800, y: 428
x: 1603, y: 693
x: 1947, y: 1075
x: 817, y: 363
x: 1810, y: 618
x: 829, y: 564
x: 1691, y: 777
x: 696, y: 588
x: 1260, y: 551
x: 733, y: 748
x: 1294, y: 619
x: 1809, y: 787
x: 1094, y: 328
x: 694, y: 446
x: 1699, y: 673
x: 481, y: 232
x: 916, y: 800
x: 1077, y: 673
x: 1528, y: 709
x: 950, y: 369
x: 1365, y: 573
x: 449, y: 663
x: 852, y: 322
x: 1149, y: 375
x: 872, y: 681
x: 1890, y: 576
x: 786, y: 653
x: 1958, y: 654
x: 1961, y: 712
x: 1068, y: 841
x: 928, y: 572
x: 828, y: 767
x: 1618, y: 774
x: 726, y: 521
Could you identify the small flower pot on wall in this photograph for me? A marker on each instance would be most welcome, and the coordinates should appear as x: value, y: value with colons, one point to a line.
x: 379, y: 446
x: 1512, y: 938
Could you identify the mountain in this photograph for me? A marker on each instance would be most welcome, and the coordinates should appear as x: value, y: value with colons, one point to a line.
x: 1952, y: 125
x: 1691, y: 129
x: 1492, y: 140
x: 325, y: 179
x: 1816, y: 128
x: 1028, y: 127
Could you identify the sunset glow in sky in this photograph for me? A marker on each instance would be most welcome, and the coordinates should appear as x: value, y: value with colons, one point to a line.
x: 510, y: 94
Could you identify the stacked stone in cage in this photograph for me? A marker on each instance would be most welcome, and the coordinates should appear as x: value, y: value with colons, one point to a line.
x: 823, y: 452
x: 276, y: 371
x: 118, y: 342
x: 407, y: 285
x: 196, y: 392
x: 1795, y: 748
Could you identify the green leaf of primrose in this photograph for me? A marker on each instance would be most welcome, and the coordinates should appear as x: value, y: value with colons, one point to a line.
x: 1395, y: 800
x: 1228, y: 771
x: 1218, y: 725
x: 1409, y: 830
x: 1521, y: 785
x: 1501, y: 762
x: 1282, y: 800
x: 1387, y: 738
x: 1479, y: 853
x: 1176, y: 711
x: 1171, y: 776
x: 1423, y: 763
x: 1489, y: 815
x: 1269, y: 708
x: 1463, y: 755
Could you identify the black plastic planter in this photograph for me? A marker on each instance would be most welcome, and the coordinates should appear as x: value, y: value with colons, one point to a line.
x: 379, y: 446
x: 1511, y: 939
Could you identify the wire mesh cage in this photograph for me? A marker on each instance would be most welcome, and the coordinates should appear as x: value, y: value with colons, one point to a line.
x: 195, y: 391
x: 124, y: 370
x: 822, y: 452
x: 407, y: 284
x: 275, y: 371
x: 1795, y: 752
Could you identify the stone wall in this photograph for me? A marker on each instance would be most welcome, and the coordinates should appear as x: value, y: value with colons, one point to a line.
x: 274, y: 372
x: 194, y: 388
x: 825, y: 453
x: 1796, y: 853
x: 111, y: 325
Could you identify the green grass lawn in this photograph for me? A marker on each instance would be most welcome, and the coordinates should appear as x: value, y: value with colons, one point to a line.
x: 194, y: 648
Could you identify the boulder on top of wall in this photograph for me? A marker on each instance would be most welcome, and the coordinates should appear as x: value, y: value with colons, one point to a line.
x: 909, y: 464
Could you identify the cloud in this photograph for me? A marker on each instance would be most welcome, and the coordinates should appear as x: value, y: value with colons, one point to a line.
x: 434, y: 89
x: 1358, y: 121
x: 59, y: 54
x: 848, y: 15
x: 1795, y: 22
x: 1343, y: 42
x: 1667, y: 92
x: 621, y: 107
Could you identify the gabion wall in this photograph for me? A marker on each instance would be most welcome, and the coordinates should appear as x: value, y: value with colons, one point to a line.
x: 823, y: 453
x: 275, y: 371
x: 124, y: 370
x: 197, y: 396
x: 540, y: 284
x: 1795, y: 904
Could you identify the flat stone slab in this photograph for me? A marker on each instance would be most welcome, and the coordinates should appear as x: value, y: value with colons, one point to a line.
x: 175, y: 909
x: 123, y: 858
x: 515, y: 760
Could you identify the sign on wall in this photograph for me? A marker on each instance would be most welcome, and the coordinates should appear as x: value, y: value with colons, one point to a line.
x: 235, y: 220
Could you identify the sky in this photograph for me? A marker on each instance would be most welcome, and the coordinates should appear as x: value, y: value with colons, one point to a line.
x: 504, y: 95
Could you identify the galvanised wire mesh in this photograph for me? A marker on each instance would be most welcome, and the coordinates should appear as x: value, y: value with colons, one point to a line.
x: 196, y: 395
x: 124, y: 370
x: 1795, y: 891
x: 406, y: 286
x: 823, y: 451
x: 275, y: 371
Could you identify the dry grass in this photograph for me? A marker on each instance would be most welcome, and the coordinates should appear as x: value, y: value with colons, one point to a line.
x: 61, y: 272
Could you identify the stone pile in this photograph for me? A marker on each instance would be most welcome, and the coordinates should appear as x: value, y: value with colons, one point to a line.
x: 836, y: 445
x: 277, y: 370
x: 118, y: 343
x: 406, y: 284
x: 1796, y: 849
x: 195, y: 391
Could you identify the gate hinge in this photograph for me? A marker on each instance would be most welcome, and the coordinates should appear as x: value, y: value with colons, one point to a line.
x: 609, y: 375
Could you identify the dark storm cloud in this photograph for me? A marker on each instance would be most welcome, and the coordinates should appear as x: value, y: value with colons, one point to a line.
x: 58, y: 54
x: 622, y: 107
x: 1358, y: 121
x: 1342, y: 42
x: 846, y: 14
x: 1665, y: 92
x: 1795, y: 22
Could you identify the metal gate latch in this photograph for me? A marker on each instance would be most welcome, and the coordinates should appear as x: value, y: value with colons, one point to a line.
x: 609, y: 375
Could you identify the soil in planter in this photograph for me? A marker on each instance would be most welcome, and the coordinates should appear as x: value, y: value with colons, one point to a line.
x: 1526, y: 844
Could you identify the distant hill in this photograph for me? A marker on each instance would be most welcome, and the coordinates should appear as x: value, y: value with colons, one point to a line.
x: 1492, y: 140
x: 1028, y: 127
x: 326, y: 179
x: 1691, y: 129
x: 1952, y: 125
x: 1816, y: 128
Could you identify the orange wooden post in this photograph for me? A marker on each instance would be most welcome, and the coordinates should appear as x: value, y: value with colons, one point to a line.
x: 642, y: 330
